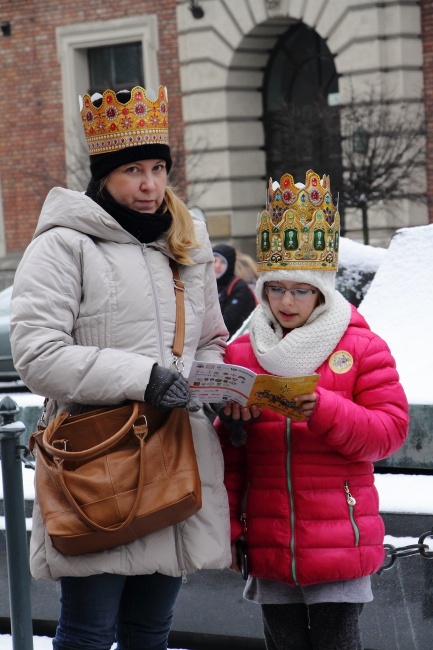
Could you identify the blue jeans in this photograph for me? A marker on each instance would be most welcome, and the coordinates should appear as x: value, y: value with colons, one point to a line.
x: 135, y: 611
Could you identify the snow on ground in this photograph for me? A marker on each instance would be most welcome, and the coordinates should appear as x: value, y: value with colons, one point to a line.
x: 39, y: 643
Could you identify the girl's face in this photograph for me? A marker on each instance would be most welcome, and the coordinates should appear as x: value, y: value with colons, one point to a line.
x: 292, y: 303
x: 139, y: 186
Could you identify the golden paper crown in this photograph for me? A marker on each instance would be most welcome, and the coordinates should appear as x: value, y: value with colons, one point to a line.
x: 114, y: 125
x: 300, y: 228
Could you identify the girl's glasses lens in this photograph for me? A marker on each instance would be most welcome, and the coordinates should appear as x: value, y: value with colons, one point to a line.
x: 297, y: 294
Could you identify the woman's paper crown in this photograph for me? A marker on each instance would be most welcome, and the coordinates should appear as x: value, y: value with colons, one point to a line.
x: 114, y: 125
x: 300, y: 228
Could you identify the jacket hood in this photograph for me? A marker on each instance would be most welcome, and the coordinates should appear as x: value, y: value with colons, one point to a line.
x: 228, y: 253
x: 71, y: 209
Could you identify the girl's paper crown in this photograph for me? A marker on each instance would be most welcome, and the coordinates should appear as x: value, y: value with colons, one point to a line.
x: 300, y: 228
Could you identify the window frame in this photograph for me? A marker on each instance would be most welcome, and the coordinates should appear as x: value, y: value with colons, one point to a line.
x: 73, y: 41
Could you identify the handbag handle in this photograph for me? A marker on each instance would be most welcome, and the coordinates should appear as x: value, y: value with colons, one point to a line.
x: 123, y: 524
x: 87, y: 454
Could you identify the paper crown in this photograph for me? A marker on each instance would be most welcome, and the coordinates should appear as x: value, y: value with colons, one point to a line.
x: 115, y: 125
x: 300, y: 228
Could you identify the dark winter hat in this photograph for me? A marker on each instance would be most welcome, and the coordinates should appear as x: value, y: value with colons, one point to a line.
x: 228, y: 253
x: 125, y: 126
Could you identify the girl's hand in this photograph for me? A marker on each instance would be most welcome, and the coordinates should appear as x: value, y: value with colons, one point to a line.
x: 306, y: 403
x: 235, y: 411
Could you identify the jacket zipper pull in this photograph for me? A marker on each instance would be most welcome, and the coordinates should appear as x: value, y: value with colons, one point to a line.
x: 350, y: 499
x: 244, y: 522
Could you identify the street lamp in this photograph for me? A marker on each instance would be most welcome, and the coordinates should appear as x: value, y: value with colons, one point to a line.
x: 195, y: 9
x: 360, y: 140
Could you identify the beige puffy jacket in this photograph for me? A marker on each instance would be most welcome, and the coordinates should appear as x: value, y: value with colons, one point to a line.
x: 93, y: 309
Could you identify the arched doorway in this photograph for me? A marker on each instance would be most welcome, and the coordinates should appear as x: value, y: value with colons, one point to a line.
x: 300, y: 107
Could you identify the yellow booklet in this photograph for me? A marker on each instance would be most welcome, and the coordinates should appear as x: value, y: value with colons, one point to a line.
x: 221, y: 382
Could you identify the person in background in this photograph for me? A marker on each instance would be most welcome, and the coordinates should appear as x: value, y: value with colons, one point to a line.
x: 92, y: 324
x: 236, y: 299
x: 246, y: 268
x: 302, y: 492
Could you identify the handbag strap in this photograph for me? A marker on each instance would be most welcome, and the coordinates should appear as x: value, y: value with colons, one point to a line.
x: 179, y: 332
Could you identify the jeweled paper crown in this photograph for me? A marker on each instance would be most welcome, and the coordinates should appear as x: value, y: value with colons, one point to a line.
x: 300, y: 228
x: 115, y: 125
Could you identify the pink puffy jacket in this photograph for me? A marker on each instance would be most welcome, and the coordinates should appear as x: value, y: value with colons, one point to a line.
x: 307, y: 488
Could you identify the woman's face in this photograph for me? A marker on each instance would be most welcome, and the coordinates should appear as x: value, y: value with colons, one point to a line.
x: 292, y: 303
x: 139, y: 186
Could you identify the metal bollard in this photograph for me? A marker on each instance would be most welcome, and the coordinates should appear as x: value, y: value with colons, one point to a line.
x: 16, y: 535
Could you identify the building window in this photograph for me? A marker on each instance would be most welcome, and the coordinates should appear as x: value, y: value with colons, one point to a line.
x: 301, y: 111
x: 118, y: 67
x: 117, y: 54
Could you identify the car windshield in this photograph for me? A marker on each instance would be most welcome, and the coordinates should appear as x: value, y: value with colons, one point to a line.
x: 5, y: 301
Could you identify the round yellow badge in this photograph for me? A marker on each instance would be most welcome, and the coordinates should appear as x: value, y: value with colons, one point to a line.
x: 341, y: 362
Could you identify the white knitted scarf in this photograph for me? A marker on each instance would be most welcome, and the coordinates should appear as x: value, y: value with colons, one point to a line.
x: 303, y: 349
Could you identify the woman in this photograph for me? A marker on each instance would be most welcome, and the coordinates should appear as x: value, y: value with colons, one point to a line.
x: 302, y: 492
x: 93, y: 319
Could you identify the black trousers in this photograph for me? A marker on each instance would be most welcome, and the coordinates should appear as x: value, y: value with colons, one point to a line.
x: 323, y: 626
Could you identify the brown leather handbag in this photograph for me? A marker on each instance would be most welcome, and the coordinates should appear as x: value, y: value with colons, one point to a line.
x: 111, y: 475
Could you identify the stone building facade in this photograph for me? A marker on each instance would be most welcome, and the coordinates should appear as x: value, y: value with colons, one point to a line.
x: 230, y: 58
x: 426, y: 7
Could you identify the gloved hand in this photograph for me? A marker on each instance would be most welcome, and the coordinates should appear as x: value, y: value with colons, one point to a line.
x: 193, y: 405
x: 167, y: 389
x: 238, y: 435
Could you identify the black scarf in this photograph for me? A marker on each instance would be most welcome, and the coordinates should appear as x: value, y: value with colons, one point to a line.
x: 146, y: 227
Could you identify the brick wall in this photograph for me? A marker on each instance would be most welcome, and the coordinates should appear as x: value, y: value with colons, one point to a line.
x: 32, y: 159
x: 427, y: 40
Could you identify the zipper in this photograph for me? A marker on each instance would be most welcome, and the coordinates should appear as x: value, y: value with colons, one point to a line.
x: 351, y: 502
x: 179, y: 553
x: 244, y: 512
x: 156, y: 307
x: 292, y: 507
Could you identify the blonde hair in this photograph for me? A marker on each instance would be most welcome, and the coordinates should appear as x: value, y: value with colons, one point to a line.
x: 246, y: 267
x: 181, y: 234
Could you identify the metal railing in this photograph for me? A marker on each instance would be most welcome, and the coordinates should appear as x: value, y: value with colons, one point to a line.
x: 15, y: 526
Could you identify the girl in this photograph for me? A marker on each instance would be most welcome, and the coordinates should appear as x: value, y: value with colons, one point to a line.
x: 302, y: 493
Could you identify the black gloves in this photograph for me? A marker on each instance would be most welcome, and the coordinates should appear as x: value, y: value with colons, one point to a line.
x: 169, y: 389
x: 238, y: 435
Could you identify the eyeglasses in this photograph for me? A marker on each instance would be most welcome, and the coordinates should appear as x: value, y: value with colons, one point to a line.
x: 278, y: 292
